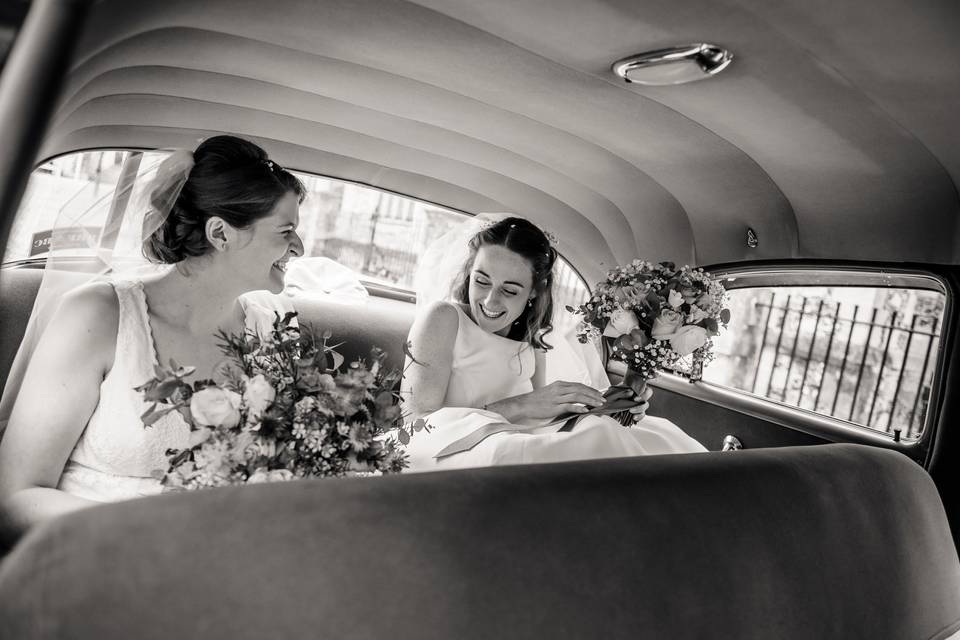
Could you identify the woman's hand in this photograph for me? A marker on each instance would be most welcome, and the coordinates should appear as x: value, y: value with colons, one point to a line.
x: 549, y: 401
x: 643, y: 403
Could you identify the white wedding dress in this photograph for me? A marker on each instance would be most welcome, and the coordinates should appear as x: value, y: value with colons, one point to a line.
x: 116, y: 455
x: 488, y: 367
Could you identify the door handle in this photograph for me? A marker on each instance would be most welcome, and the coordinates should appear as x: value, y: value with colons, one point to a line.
x: 732, y: 443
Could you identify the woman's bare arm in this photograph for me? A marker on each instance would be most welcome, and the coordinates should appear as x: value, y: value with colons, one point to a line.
x: 432, y: 339
x: 60, y: 390
x: 427, y: 374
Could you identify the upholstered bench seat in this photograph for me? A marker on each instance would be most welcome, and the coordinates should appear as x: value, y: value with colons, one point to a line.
x: 358, y: 325
x: 833, y: 541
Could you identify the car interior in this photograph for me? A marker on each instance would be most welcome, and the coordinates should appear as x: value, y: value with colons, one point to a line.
x: 803, y: 152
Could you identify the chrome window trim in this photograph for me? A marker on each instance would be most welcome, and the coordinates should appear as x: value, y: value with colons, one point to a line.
x: 804, y: 420
x: 755, y: 276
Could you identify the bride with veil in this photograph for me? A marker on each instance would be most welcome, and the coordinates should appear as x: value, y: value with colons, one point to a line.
x: 491, y: 365
x: 215, y: 223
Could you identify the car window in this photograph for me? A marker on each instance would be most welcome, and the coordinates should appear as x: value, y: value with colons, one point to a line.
x: 378, y: 234
x: 864, y: 352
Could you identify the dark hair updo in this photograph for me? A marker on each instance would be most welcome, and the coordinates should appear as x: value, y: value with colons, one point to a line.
x: 528, y: 241
x: 232, y: 179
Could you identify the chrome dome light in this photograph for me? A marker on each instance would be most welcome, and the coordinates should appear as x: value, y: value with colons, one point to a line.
x: 676, y: 65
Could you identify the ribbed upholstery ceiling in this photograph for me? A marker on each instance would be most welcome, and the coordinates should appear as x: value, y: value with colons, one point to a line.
x: 822, y: 141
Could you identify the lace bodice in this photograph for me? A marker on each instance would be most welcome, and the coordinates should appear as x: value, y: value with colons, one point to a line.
x: 116, y: 454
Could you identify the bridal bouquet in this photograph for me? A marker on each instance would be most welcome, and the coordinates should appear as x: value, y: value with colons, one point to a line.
x: 654, y: 315
x: 286, y: 412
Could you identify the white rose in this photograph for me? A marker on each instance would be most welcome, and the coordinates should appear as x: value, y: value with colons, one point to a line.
x: 258, y: 395
x: 666, y: 324
x: 215, y: 407
x: 688, y: 339
x: 675, y: 299
x: 622, y: 321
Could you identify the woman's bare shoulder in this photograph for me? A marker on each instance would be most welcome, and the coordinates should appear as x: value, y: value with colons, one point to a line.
x: 91, y: 309
x: 94, y: 297
x: 441, y: 311
x: 440, y: 320
x: 435, y: 329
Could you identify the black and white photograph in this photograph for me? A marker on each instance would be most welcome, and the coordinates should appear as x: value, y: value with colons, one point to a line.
x: 480, y: 319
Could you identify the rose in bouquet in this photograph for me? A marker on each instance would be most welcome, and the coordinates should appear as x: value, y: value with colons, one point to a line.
x: 654, y: 316
x: 286, y: 411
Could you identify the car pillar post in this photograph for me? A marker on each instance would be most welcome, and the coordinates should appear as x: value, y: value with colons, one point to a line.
x: 30, y: 85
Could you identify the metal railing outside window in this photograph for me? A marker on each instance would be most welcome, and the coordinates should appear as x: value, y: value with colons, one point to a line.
x: 861, y: 354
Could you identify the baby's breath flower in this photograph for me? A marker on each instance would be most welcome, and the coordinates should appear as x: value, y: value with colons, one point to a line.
x: 299, y: 430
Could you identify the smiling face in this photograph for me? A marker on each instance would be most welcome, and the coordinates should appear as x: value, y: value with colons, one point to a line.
x: 269, y: 243
x: 500, y: 285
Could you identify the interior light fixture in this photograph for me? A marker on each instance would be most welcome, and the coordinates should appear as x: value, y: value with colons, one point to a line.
x: 676, y: 65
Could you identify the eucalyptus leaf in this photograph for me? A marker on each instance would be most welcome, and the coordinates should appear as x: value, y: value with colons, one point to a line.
x: 166, y: 388
x: 150, y: 417
x: 146, y: 413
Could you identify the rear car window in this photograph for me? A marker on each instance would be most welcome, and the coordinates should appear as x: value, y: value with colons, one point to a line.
x: 865, y: 352
x: 378, y: 234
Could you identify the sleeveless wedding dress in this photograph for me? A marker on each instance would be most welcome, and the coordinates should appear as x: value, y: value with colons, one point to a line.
x: 488, y: 367
x: 116, y: 454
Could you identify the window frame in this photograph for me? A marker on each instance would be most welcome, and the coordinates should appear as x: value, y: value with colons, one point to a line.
x: 753, y: 274
x: 379, y: 289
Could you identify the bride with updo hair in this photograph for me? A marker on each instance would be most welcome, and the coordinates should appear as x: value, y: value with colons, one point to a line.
x: 222, y: 221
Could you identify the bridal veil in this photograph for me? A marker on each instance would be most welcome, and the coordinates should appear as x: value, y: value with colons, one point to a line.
x: 104, y: 239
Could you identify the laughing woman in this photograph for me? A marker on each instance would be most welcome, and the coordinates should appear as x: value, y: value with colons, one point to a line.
x: 477, y: 369
x: 227, y: 226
